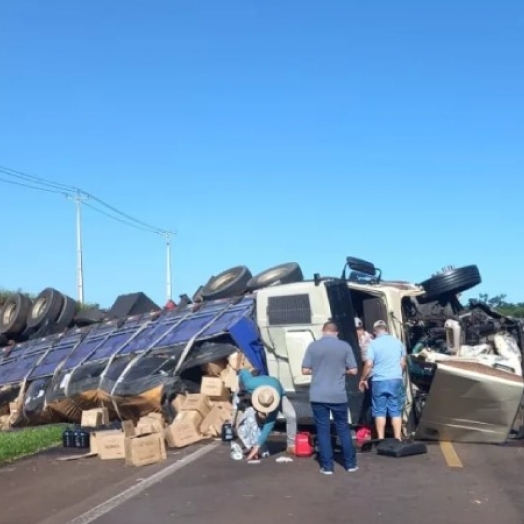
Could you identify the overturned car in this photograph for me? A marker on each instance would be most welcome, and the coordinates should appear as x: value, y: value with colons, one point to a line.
x: 464, y: 381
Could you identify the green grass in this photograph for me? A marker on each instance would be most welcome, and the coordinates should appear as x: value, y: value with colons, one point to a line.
x: 19, y: 443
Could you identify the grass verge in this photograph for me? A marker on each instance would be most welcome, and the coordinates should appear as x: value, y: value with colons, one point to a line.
x: 19, y: 443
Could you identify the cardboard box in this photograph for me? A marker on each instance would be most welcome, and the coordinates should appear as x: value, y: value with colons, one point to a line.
x: 93, y: 418
x: 178, y: 402
x: 239, y: 361
x: 154, y: 421
x: 145, y: 449
x: 109, y: 445
x: 182, y: 433
x: 230, y: 378
x: 214, y: 387
x: 197, y: 402
x: 212, y: 424
x: 190, y: 417
x: 213, y: 369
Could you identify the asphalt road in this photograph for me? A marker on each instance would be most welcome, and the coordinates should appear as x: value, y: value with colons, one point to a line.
x: 480, y: 484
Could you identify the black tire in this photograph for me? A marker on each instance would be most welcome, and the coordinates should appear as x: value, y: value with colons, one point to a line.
x: 47, y: 306
x: 229, y: 283
x: 66, y: 316
x: 282, y: 274
x: 87, y: 317
x: 451, y: 282
x: 14, y: 313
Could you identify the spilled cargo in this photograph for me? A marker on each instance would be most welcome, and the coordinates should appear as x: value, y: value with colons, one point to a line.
x: 140, y: 358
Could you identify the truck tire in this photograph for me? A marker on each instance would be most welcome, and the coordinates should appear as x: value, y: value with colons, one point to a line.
x: 13, y: 315
x: 229, y: 283
x: 67, y: 314
x: 47, y: 306
x: 282, y: 274
x: 451, y: 282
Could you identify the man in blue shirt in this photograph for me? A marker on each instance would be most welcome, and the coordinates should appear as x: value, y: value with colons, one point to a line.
x: 249, y: 382
x: 386, y: 362
x: 329, y: 360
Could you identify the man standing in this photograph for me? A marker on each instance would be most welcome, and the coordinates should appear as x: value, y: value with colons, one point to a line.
x: 269, y: 398
x: 329, y: 360
x: 386, y: 361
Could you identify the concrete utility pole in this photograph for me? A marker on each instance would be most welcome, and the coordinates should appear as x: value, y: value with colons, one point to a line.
x: 169, y: 277
x: 78, y: 199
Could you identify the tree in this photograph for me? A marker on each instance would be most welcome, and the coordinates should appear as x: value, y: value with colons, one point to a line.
x: 499, y: 304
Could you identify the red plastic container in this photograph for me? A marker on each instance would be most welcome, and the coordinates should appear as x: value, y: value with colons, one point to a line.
x: 303, y: 447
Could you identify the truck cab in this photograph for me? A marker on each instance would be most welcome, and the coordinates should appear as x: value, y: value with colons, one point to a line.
x: 291, y: 316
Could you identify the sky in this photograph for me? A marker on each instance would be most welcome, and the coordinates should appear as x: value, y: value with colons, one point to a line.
x: 262, y: 132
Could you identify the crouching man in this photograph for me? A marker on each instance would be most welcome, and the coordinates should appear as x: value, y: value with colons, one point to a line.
x: 268, y: 398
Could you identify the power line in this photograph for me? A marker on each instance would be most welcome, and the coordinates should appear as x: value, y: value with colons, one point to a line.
x: 64, y: 189
x: 21, y: 184
x: 80, y: 197
x: 127, y: 223
x: 35, y: 179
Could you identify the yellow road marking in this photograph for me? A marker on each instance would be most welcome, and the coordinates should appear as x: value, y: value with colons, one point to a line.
x: 450, y: 455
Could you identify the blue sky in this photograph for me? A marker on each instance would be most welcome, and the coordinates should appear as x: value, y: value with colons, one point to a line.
x: 263, y: 132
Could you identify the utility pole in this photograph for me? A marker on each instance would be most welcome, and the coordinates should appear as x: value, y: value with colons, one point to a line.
x: 169, y: 280
x: 78, y: 199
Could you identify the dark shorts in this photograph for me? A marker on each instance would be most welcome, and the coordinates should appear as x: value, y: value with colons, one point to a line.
x: 387, y: 398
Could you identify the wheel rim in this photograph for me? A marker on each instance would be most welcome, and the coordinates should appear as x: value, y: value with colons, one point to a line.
x: 8, y: 314
x: 270, y: 275
x: 39, y: 307
x: 220, y: 281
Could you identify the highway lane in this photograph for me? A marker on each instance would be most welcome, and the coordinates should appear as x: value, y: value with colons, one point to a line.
x: 424, y: 489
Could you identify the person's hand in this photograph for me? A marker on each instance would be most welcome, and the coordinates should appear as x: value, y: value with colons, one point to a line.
x: 363, y: 385
x: 253, y: 453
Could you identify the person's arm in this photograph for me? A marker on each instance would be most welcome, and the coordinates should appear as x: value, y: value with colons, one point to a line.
x: 307, y: 364
x: 351, y: 362
x: 403, y: 358
x: 368, y: 367
x: 266, y: 430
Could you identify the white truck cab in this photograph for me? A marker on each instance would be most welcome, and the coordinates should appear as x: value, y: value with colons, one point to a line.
x: 291, y: 316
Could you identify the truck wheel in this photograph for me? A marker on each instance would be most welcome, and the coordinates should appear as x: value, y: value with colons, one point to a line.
x: 229, y: 283
x: 67, y: 314
x: 13, y: 315
x: 281, y: 274
x: 451, y: 282
x: 47, y: 306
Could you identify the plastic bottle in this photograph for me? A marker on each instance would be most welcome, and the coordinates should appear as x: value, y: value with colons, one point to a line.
x: 84, y: 439
x: 236, y: 451
x: 68, y: 438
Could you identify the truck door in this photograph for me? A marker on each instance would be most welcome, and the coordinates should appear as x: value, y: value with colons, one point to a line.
x: 342, y: 312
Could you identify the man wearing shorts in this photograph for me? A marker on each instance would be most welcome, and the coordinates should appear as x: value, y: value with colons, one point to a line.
x: 386, y: 362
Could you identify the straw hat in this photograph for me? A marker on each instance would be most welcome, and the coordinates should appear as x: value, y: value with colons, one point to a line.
x: 265, y: 399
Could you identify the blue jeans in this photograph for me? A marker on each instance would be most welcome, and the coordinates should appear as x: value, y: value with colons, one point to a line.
x: 387, y: 398
x: 321, y: 413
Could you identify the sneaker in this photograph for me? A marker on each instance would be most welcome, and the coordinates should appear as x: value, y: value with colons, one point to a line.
x: 326, y: 472
x: 352, y: 470
x: 290, y: 450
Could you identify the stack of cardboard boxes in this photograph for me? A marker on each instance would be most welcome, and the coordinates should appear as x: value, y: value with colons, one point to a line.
x: 199, y: 416
x: 138, y: 445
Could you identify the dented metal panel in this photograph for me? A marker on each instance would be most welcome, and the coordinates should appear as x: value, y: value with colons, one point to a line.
x: 470, y: 403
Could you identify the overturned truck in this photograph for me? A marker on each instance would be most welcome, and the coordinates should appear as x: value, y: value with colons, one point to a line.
x: 464, y: 381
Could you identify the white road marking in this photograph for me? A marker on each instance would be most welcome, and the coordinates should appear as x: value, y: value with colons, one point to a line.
x: 133, y: 491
